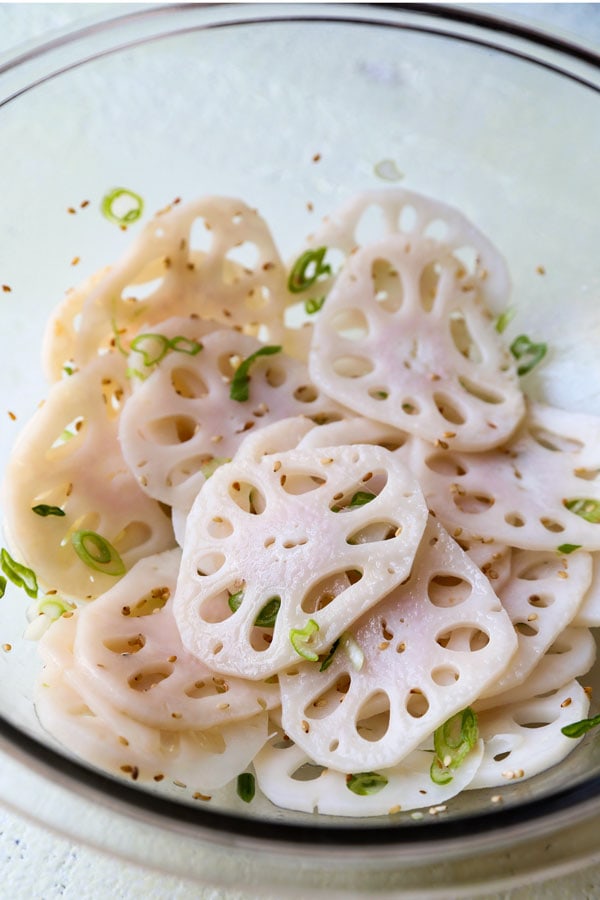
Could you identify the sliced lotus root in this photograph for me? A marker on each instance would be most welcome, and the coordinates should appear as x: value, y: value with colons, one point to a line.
x: 289, y: 779
x: 272, y: 540
x: 588, y: 614
x: 60, y: 335
x: 425, y: 360
x: 214, y: 257
x: 525, y: 738
x: 92, y: 730
x: 492, y: 558
x: 541, y: 597
x: 372, y: 215
x: 429, y: 649
x: 68, y: 457
x: 128, y: 646
x: 182, y: 421
x: 572, y: 654
x: 540, y: 491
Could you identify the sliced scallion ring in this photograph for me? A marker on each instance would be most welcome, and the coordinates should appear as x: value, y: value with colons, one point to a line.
x: 504, y: 319
x: 585, y: 508
x: 118, y: 199
x: 578, y: 729
x: 568, y: 548
x: 234, y: 601
x: 42, y: 509
x: 300, y: 639
x: 2, y: 585
x: 97, y: 553
x: 307, y: 268
x: 313, y: 305
x: 181, y: 344
x: 329, y: 658
x: 365, y: 783
x: 153, y: 347
x: 20, y: 575
x: 523, y: 348
x: 239, y: 389
x: 246, y: 786
x: 452, y: 742
x: 268, y: 614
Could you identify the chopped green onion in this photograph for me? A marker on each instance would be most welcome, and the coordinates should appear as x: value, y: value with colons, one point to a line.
x: 578, y: 729
x: 268, y: 614
x: 235, y: 601
x: 360, y: 498
x: 299, y: 280
x: 42, y: 509
x: 353, y: 650
x: 53, y: 606
x: 300, y: 639
x: 2, y: 585
x: 523, y: 347
x: 134, y: 206
x: 96, y: 552
x: 329, y: 658
x: 20, y: 575
x: 568, y: 548
x: 452, y: 742
x: 239, y: 386
x: 366, y: 783
x: 313, y: 305
x: 505, y: 318
x: 209, y: 468
x: 246, y: 787
x: 117, y: 335
x: 156, y: 347
x: 584, y: 507
x: 181, y: 344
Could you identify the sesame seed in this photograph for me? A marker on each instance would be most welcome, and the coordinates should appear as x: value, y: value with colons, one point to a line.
x: 6, y: 288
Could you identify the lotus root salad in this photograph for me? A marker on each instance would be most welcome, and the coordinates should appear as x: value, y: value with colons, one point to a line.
x: 294, y: 529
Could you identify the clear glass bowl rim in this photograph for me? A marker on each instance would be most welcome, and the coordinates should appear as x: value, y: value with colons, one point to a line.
x: 39, y: 63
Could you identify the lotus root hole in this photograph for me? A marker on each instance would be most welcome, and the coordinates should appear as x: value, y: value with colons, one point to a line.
x: 447, y: 590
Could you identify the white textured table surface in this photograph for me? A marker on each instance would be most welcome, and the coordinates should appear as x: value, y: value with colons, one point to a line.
x: 36, y: 864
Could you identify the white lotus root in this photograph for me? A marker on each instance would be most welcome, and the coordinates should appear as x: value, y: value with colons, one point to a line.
x: 525, y: 738
x: 372, y: 215
x: 68, y: 456
x: 89, y: 728
x: 588, y: 614
x: 128, y: 648
x: 182, y: 418
x: 405, y: 340
x: 541, y: 597
x: 289, y: 779
x: 214, y: 257
x: 429, y: 648
x: 572, y: 654
x: 282, y: 530
x: 520, y: 494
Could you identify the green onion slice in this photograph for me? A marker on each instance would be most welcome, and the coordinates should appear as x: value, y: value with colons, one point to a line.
x: 239, y: 386
x: 578, y: 729
x: 329, y: 658
x: 20, y: 575
x: 360, y: 498
x: 568, y: 548
x: 2, y: 585
x: 246, y: 787
x: 181, y: 344
x: 119, y: 198
x: 523, y: 348
x: 505, y: 318
x: 300, y: 639
x: 585, y: 508
x: 366, y: 783
x: 452, y: 742
x: 42, y: 509
x: 235, y: 601
x: 268, y: 614
x: 153, y: 347
x: 300, y: 278
x: 97, y: 553
x: 313, y: 305
x: 53, y: 606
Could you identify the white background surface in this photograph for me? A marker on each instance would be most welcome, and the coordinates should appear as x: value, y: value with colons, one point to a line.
x: 36, y: 864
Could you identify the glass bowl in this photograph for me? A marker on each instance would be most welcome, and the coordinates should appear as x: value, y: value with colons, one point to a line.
x: 295, y: 108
